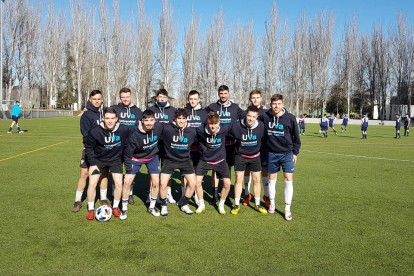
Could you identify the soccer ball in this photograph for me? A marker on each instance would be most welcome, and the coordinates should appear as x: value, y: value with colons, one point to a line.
x: 320, y: 131
x: 103, y: 213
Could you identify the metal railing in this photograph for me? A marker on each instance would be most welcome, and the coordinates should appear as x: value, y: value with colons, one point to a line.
x: 36, y: 113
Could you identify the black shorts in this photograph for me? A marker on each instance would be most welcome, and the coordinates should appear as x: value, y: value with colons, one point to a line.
x: 241, y: 162
x: 195, y: 157
x: 84, y: 164
x: 221, y: 168
x: 185, y: 167
x: 230, y: 152
x: 114, y: 166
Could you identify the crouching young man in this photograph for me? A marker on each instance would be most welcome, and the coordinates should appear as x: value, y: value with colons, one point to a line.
x: 177, y: 139
x: 283, y: 141
x: 211, y: 138
x: 142, y: 148
x: 104, y: 147
x: 248, y: 133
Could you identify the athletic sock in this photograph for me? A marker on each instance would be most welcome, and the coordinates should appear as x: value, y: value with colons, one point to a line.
x: 221, y: 203
x: 201, y: 202
x: 215, y: 192
x: 237, y: 201
x: 113, y: 189
x: 164, y: 202
x: 183, y: 191
x: 247, y: 181
x: 131, y: 192
x: 272, y: 191
x: 103, y: 194
x: 168, y: 192
x: 186, y: 200
x: 10, y: 129
x: 18, y: 128
x: 124, y: 204
x: 152, y: 202
x: 265, y: 181
x: 257, y: 201
x: 78, y: 195
x: 116, y: 204
x: 288, y: 194
x: 91, y: 205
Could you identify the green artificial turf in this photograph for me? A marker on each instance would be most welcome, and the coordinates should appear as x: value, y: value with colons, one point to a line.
x: 352, y: 214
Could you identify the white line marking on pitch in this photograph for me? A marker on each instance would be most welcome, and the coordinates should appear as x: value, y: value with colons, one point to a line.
x: 359, y: 156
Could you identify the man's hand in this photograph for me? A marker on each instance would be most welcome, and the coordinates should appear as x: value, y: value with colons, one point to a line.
x: 295, y: 158
x: 264, y: 107
x: 93, y: 169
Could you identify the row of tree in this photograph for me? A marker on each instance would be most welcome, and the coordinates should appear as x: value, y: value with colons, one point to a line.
x: 95, y: 48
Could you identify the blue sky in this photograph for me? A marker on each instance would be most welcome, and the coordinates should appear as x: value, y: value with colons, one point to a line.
x: 369, y: 12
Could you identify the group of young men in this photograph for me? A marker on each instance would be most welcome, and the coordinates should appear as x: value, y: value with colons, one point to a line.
x: 194, y: 140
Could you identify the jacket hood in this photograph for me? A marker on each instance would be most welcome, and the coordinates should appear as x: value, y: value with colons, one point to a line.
x: 198, y: 107
x: 225, y: 105
x: 243, y: 123
x: 91, y: 108
x: 167, y: 105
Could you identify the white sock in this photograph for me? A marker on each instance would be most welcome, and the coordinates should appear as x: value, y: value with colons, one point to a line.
x: 257, y: 201
x: 78, y: 195
x: 91, y: 205
x: 201, y: 202
x: 116, y: 204
x: 265, y: 180
x: 168, y: 192
x: 131, y: 192
x: 222, y: 202
x: 113, y: 189
x: 272, y: 191
x: 288, y: 194
x: 247, y: 181
x: 152, y: 202
x: 124, y: 204
x: 237, y: 201
x: 103, y: 194
x: 183, y: 190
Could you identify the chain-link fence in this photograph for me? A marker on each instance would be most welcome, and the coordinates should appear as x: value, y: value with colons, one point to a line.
x: 6, y: 109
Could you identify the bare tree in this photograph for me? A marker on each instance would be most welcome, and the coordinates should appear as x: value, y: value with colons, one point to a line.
x: 167, y: 44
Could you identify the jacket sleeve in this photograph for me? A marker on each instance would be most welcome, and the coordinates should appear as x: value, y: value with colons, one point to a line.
x: 295, y: 137
x: 129, y: 151
x: 90, y: 145
x: 240, y: 113
x: 85, y: 126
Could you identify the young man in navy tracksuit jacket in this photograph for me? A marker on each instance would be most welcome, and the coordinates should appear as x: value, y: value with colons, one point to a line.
x: 283, y: 141
x: 164, y: 113
x: 177, y: 139
x: 128, y: 114
x: 211, y: 138
x: 229, y: 113
x: 104, y: 147
x: 89, y: 119
x: 249, y: 133
x: 142, y: 149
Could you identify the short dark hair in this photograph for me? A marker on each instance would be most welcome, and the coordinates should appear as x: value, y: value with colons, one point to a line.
x: 276, y: 97
x: 17, y: 102
x: 162, y: 91
x: 94, y: 92
x: 324, y: 114
x: 148, y: 114
x: 109, y: 110
x: 254, y: 92
x: 124, y: 90
x: 252, y: 108
x: 305, y: 114
x: 223, y: 88
x: 397, y: 114
x: 213, y: 118
x: 180, y: 112
x: 193, y: 92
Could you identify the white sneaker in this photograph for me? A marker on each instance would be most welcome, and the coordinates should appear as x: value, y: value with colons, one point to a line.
x: 170, y: 199
x: 186, y: 210
x: 124, y: 215
x: 221, y: 210
x: 272, y: 209
x: 21, y: 131
x: 154, y: 212
x: 288, y: 215
x: 8, y: 132
x: 201, y: 208
x: 164, y: 211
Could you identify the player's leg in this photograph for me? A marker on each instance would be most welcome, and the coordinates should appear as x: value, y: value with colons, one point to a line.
x: 91, y: 193
x: 200, y: 193
x: 84, y: 174
x: 288, y: 167
x: 103, y: 186
x: 273, y: 167
x: 155, y: 188
x: 247, y: 182
x: 214, y: 184
x: 191, y: 183
x: 117, y: 178
x: 224, y: 193
x: 12, y: 125
x: 256, y: 188
x: 237, y: 190
x: 18, y: 127
x: 164, y: 178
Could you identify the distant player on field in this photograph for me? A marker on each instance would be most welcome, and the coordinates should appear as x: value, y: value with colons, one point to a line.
x: 284, y: 144
x: 331, y: 122
x: 324, y: 125
x: 15, y: 117
x: 104, y: 147
x: 364, y: 126
x: 407, y: 125
x: 302, y: 124
x: 344, y: 123
x: 397, y: 126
